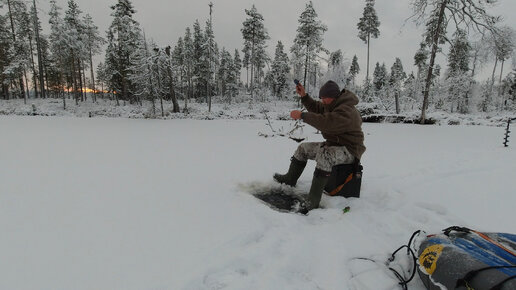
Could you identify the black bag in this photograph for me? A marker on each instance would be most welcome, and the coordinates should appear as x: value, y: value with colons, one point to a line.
x: 345, y: 180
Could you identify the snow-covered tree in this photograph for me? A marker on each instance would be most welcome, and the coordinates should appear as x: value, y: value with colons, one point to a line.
x: 226, y: 64
x: 178, y: 65
x: 368, y: 28
x: 420, y: 61
x: 464, y: 14
x: 75, y: 47
x: 458, y: 80
x: 211, y: 51
x: 512, y: 87
x: 57, y: 70
x: 255, y: 36
x: 5, y: 57
x: 420, y: 58
x: 410, y: 94
x: 480, y: 50
x: 354, y: 69
x: 237, y: 61
x: 188, y: 60
x: 39, y: 49
x: 380, y: 80
x: 102, y: 78
x: 396, y: 79
x: 308, y: 42
x: 144, y: 74
x: 502, y: 44
x: 280, y: 70
x: 337, y: 69
x: 200, y: 61
x: 123, y: 37
x: 20, y: 26
x: 458, y: 57
x: 93, y: 43
x: 168, y: 63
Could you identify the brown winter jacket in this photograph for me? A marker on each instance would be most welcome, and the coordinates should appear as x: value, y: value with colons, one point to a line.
x: 339, y: 122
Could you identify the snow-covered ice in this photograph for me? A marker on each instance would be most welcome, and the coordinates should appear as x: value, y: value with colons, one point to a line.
x: 162, y: 204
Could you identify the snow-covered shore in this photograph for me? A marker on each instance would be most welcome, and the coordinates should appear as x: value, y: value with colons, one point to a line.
x: 259, y: 110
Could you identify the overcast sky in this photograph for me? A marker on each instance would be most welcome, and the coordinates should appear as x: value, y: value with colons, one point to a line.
x: 165, y: 21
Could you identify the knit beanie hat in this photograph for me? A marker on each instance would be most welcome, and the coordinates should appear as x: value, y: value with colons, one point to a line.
x: 329, y: 90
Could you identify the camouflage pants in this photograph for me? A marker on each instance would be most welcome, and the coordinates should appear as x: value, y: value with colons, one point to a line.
x: 325, y: 156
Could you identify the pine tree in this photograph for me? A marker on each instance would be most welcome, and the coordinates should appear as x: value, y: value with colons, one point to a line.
x: 336, y: 59
x: 512, y: 86
x: 5, y: 57
x: 237, y: 61
x: 396, y: 79
x: 17, y: 12
x: 94, y: 43
x: 189, y: 64
x: 255, y: 36
x: 279, y: 71
x: 234, y: 77
x: 410, y: 88
x: 27, y: 32
x: 337, y: 69
x: 39, y: 49
x: 123, y: 37
x: 368, y: 28
x: 420, y: 58
x: 200, y: 66
x: 211, y: 58
x: 170, y: 79
x: 57, y: 70
x: 75, y: 47
x: 459, y: 81
x: 102, y: 77
x: 178, y: 65
x: 144, y: 74
x: 380, y: 79
x: 246, y: 62
x: 458, y: 58
x: 354, y: 69
x: 224, y: 71
x: 468, y: 13
x: 309, y: 41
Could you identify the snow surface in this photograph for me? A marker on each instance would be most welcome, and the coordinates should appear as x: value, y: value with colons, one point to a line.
x: 163, y: 204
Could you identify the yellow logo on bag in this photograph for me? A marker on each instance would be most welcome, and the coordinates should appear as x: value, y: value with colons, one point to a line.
x: 428, y: 259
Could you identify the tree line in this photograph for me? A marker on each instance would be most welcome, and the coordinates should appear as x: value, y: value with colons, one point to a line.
x: 135, y: 69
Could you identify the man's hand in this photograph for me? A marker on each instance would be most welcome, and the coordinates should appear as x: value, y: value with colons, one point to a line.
x: 300, y: 90
x: 296, y: 115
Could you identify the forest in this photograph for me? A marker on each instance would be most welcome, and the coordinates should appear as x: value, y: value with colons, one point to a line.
x: 59, y: 63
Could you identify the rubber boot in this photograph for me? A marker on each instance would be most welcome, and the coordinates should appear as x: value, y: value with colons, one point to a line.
x: 318, y: 183
x: 293, y: 174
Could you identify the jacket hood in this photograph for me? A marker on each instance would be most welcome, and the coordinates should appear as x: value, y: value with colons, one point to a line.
x: 346, y: 98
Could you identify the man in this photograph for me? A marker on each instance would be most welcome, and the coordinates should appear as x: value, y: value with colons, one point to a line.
x: 340, y: 124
